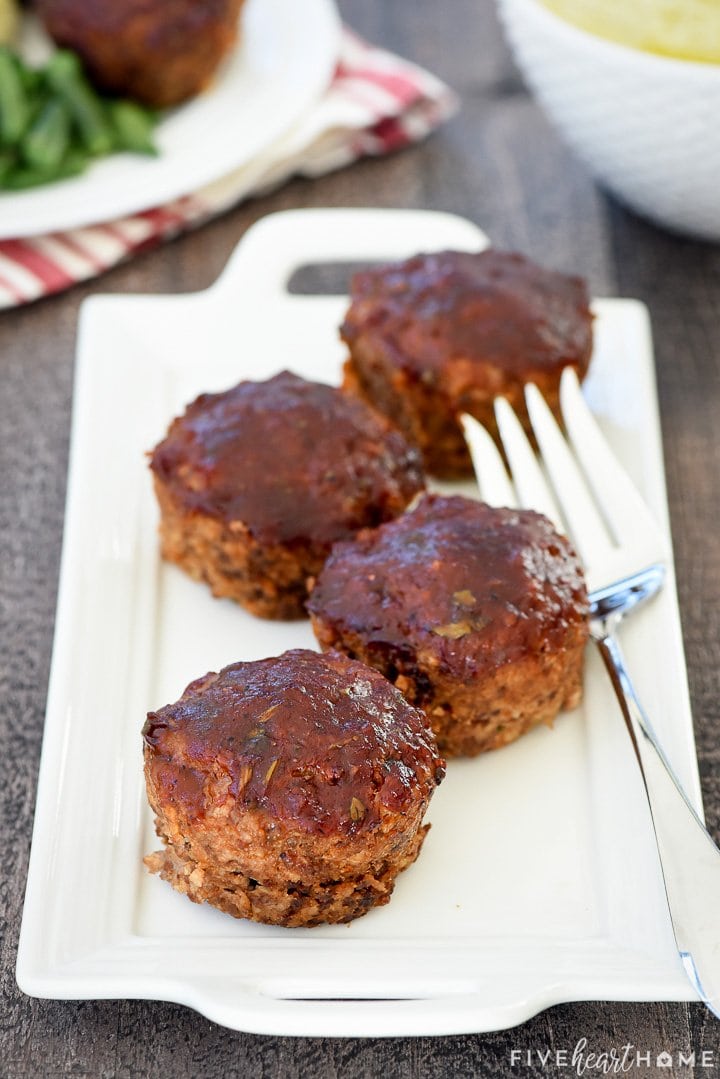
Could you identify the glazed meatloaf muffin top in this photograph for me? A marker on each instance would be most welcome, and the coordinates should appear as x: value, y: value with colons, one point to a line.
x: 469, y: 586
x: 293, y: 460
x: 316, y: 744
x: 289, y: 790
x: 440, y: 315
x: 159, y: 53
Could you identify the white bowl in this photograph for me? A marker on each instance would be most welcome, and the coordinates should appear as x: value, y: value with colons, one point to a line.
x: 647, y: 126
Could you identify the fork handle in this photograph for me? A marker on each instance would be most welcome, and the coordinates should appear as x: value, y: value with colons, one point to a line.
x: 689, y: 858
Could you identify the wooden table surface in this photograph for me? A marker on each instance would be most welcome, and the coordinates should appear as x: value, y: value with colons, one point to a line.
x: 499, y: 163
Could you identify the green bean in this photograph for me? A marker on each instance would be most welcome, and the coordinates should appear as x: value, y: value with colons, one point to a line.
x: 65, y: 76
x: 30, y: 77
x: 47, y: 139
x: 14, y: 109
x: 74, y: 163
x: 133, y: 127
x: 8, y: 161
x: 52, y: 122
x: 20, y: 179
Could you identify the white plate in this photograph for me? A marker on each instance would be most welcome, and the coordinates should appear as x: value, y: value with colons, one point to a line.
x: 284, y: 60
x: 539, y: 881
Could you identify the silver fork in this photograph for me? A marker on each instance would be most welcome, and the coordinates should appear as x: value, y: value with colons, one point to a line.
x: 585, y: 491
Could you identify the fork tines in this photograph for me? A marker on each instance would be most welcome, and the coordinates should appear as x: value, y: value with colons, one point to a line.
x: 575, y: 480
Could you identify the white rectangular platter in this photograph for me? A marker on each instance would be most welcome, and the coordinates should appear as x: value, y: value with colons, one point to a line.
x: 539, y: 881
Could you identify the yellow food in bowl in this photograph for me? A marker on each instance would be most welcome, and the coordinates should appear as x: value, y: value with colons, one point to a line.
x: 685, y: 29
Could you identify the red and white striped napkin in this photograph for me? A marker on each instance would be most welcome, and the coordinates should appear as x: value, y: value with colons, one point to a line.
x: 376, y: 103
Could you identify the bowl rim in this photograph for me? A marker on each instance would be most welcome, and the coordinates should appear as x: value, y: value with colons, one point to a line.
x: 627, y: 54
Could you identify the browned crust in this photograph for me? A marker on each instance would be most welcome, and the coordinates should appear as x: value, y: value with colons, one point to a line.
x: 159, y: 53
x: 289, y: 790
x: 269, y: 580
x: 440, y: 334
x: 484, y: 714
x: 256, y: 483
x: 477, y: 614
x: 274, y: 899
x: 428, y: 416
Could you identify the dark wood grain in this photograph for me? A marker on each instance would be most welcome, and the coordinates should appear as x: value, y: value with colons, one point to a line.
x: 501, y: 164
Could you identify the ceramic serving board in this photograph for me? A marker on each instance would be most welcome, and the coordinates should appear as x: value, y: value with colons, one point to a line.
x: 539, y: 880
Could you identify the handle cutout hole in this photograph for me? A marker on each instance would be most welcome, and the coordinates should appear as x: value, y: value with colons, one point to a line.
x: 325, y: 278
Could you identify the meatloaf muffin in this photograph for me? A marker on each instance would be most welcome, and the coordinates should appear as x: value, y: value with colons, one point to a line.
x: 289, y: 790
x: 158, y: 51
x: 257, y: 483
x: 479, y: 616
x: 446, y: 333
